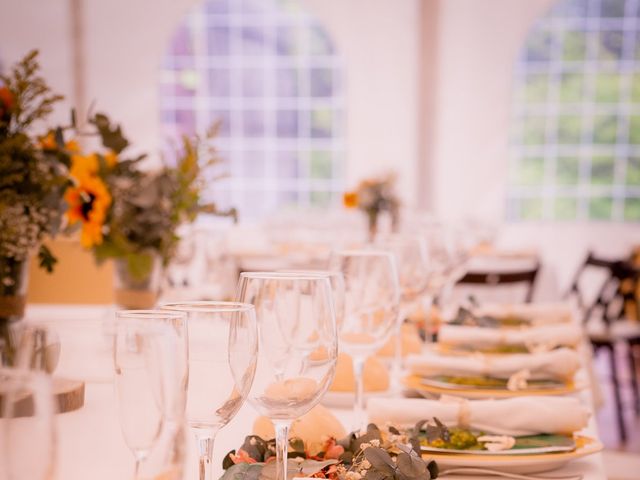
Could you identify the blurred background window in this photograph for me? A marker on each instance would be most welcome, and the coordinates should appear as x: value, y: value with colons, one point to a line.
x: 270, y: 73
x: 576, y: 129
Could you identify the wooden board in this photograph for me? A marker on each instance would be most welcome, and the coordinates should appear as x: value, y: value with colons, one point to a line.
x: 69, y: 396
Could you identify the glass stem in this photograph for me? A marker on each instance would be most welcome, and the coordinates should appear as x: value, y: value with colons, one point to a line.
x: 396, y: 372
x: 205, y: 447
x: 358, y: 406
x: 282, y: 444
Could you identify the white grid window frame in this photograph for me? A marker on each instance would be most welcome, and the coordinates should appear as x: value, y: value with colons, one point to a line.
x: 575, y: 144
x: 269, y: 72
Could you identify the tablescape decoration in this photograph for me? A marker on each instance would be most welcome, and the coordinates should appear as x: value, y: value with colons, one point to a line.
x: 27, y: 425
x: 520, y: 314
x: 374, y: 196
x: 377, y: 453
x: 410, y: 253
x: 149, y: 358
x: 298, y: 347
x: 33, y: 178
x: 132, y: 215
x: 372, y: 302
x: 223, y: 355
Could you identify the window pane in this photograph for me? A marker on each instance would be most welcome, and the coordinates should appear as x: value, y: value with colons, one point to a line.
x: 600, y: 208
x: 635, y: 86
x: 633, y: 171
x: 253, y: 165
x: 567, y: 170
x: 321, y: 164
x: 320, y: 198
x: 634, y: 129
x: 571, y: 87
x: 612, y: 8
x: 288, y: 165
x: 605, y: 129
x: 287, y: 123
x: 602, y: 170
x: 531, y: 209
x: 539, y: 46
x: 534, y: 130
x: 537, y: 87
x: 531, y: 171
x: 321, y: 123
x: 574, y: 45
x: 218, y: 41
x: 607, y: 87
x: 321, y: 82
x: 566, y: 208
x: 569, y: 129
x: 611, y: 45
x: 253, y: 123
x: 632, y: 209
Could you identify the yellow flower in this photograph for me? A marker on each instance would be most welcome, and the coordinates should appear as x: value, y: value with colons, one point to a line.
x: 111, y: 158
x: 83, y: 165
x: 350, y: 199
x: 89, y: 201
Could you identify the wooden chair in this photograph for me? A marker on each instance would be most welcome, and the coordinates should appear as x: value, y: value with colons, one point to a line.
x: 494, y: 278
x: 608, y: 306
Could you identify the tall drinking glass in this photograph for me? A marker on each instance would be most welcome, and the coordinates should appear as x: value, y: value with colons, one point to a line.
x: 410, y: 253
x: 223, y: 349
x: 149, y: 364
x: 298, y: 347
x: 372, y: 301
x: 27, y: 433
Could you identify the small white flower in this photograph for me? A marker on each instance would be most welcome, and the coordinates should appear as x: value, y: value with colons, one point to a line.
x: 365, y: 464
x: 353, y: 476
x: 496, y: 443
x: 375, y: 443
x: 518, y: 381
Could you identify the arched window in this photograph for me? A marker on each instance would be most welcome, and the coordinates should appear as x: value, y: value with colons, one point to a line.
x: 269, y: 71
x: 576, y: 136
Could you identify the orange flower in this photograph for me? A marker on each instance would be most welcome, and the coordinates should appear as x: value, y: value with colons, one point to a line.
x: 72, y: 146
x: 89, y: 201
x: 48, y: 142
x: 6, y: 100
x: 350, y: 199
x: 111, y: 158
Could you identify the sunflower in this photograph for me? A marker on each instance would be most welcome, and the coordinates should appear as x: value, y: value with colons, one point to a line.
x: 88, y: 200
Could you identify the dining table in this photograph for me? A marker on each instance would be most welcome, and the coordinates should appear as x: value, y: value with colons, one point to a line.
x: 90, y: 442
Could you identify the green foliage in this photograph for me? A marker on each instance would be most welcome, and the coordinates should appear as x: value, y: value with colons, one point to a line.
x: 32, y: 178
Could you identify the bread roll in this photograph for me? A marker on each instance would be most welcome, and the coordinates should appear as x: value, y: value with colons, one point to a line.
x: 376, y: 375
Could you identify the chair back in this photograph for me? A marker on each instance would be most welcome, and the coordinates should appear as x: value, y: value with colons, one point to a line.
x: 498, y: 278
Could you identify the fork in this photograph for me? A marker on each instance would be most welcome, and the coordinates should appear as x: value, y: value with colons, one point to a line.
x: 498, y: 473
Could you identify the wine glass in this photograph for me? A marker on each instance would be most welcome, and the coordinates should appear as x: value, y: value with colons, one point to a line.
x: 298, y: 347
x: 372, y: 300
x: 223, y: 349
x: 149, y: 362
x: 410, y: 253
x: 27, y: 411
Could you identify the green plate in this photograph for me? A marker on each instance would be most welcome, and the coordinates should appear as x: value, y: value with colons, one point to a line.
x: 525, y: 445
x: 488, y: 383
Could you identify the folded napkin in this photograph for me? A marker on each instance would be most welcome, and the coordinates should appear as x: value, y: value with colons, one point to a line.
x: 513, y: 416
x: 536, y: 313
x: 548, y: 336
x: 555, y: 364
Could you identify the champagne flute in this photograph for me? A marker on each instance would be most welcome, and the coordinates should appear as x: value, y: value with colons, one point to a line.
x: 27, y: 413
x: 223, y: 349
x: 146, y: 355
x: 298, y: 347
x: 372, y: 300
x: 410, y: 253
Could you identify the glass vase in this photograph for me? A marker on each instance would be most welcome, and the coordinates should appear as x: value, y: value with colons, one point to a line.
x: 14, y: 279
x: 133, y: 292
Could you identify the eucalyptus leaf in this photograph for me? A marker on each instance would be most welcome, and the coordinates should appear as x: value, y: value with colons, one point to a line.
x: 411, y: 466
x: 310, y: 467
x: 243, y: 471
x: 380, y: 460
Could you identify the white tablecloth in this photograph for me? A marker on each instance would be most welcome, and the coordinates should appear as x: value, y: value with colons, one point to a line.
x: 90, y: 441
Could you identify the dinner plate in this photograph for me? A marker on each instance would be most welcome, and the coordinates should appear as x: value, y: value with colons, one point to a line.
x: 535, y: 463
x: 416, y: 382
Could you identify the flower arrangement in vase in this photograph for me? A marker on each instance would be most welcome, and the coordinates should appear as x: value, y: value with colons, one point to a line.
x: 374, y: 196
x: 131, y: 215
x: 33, y: 179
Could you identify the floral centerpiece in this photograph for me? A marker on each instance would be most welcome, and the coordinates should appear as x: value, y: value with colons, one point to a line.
x: 377, y: 454
x: 374, y: 196
x: 33, y: 178
x: 131, y: 215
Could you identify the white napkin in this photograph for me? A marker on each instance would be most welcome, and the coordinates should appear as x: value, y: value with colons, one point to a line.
x: 548, y: 336
x: 536, y: 313
x: 561, y: 364
x: 513, y: 416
